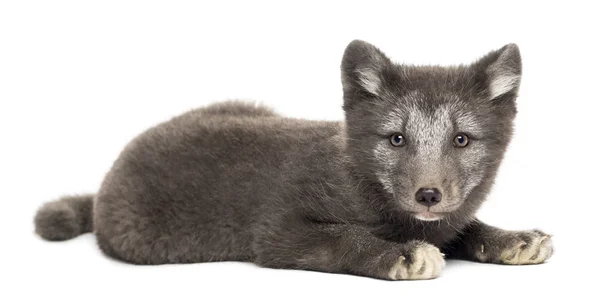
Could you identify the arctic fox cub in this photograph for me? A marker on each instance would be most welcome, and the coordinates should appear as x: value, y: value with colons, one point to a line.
x: 384, y: 194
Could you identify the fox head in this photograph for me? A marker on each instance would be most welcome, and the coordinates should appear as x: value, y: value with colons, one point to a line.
x: 430, y: 137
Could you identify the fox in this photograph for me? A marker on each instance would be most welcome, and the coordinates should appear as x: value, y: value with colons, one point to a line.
x: 390, y: 192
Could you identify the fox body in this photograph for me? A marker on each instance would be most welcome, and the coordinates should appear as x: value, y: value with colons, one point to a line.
x: 384, y: 194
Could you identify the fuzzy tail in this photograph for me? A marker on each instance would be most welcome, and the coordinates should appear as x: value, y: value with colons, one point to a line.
x: 65, y: 218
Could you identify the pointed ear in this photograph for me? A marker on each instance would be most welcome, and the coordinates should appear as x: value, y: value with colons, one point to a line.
x: 362, y: 67
x: 502, y: 70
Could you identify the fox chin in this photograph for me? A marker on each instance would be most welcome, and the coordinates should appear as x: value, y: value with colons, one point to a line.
x: 391, y: 192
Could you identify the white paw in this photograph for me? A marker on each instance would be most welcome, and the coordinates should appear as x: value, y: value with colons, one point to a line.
x: 538, y: 250
x: 424, y: 262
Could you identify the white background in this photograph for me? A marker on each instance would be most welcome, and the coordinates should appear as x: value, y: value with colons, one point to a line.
x: 79, y: 79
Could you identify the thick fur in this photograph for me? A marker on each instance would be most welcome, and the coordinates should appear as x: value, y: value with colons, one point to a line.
x: 233, y: 181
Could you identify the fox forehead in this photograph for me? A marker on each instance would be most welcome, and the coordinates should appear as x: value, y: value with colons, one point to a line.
x: 429, y: 121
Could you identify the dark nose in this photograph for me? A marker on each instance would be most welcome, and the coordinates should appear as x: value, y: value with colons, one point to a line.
x: 428, y: 196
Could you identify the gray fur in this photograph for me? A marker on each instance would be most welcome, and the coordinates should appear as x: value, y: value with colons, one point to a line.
x: 233, y: 181
x: 65, y: 218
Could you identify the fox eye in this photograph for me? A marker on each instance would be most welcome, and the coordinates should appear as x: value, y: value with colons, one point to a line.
x: 397, y: 140
x: 461, y: 140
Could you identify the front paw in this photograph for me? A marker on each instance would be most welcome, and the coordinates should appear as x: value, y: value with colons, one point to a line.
x: 421, y: 261
x: 523, y: 247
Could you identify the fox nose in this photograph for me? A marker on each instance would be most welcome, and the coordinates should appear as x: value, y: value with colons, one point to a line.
x: 428, y: 196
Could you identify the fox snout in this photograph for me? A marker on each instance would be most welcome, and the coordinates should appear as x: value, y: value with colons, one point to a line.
x: 428, y: 196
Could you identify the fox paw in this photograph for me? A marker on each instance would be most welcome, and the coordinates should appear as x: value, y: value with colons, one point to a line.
x: 527, y: 247
x: 423, y: 261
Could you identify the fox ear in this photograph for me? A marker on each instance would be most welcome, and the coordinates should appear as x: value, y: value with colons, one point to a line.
x: 502, y: 70
x: 362, y: 67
